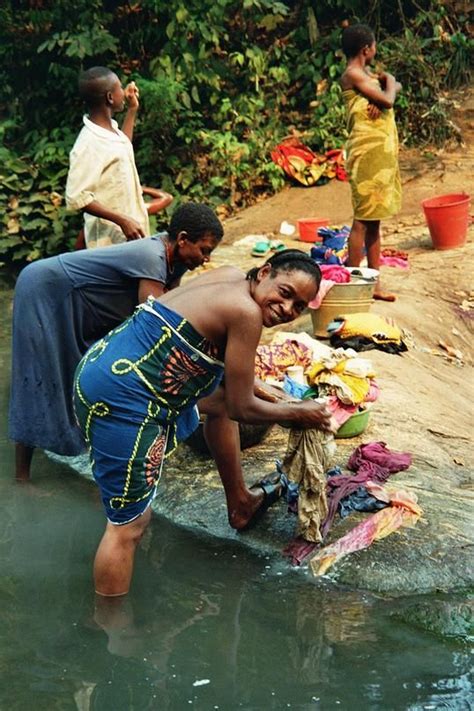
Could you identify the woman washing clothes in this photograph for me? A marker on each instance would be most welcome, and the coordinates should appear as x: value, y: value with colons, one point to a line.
x: 63, y: 304
x: 372, y: 147
x: 136, y: 390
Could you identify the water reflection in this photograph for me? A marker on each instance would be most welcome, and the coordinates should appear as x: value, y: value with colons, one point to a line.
x: 207, y: 624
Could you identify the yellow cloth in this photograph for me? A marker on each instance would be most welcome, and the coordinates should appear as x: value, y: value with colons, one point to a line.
x: 371, y: 326
x: 346, y: 375
x: 372, y: 160
x: 349, y: 389
x: 307, y: 458
x: 102, y: 168
x: 341, y: 360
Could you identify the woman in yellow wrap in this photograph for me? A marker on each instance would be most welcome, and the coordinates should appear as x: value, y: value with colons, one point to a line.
x: 372, y: 147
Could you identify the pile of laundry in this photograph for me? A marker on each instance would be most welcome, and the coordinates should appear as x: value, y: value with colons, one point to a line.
x: 365, y: 331
x: 317, y: 497
x: 315, y: 490
x: 306, y: 167
x: 333, y: 248
x: 345, y: 380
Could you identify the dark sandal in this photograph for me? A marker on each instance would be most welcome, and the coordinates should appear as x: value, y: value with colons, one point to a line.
x: 274, y: 487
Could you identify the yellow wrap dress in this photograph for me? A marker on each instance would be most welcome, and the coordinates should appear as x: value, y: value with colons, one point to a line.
x: 372, y: 159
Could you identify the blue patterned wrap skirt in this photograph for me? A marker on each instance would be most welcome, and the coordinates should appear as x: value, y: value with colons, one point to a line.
x: 135, y: 394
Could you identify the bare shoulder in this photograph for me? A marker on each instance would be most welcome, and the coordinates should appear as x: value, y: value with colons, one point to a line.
x: 351, y: 77
x: 226, y: 273
x: 225, y: 290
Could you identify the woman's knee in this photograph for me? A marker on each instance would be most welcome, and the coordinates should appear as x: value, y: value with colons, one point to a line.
x: 131, y: 533
x: 213, y: 405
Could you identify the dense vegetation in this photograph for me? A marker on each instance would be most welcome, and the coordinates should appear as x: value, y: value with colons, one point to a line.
x: 221, y: 82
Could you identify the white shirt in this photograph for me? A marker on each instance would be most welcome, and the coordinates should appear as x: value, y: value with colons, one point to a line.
x: 102, y: 168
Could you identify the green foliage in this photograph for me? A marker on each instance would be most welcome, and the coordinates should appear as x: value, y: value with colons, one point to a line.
x: 34, y: 220
x: 221, y: 82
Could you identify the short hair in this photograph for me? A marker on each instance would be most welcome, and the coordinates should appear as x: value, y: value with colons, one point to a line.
x: 355, y: 38
x: 196, y: 220
x: 290, y: 260
x: 94, y: 83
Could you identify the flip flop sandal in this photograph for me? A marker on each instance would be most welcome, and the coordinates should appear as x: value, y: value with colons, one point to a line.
x: 261, y: 248
x: 277, y: 246
x: 274, y: 487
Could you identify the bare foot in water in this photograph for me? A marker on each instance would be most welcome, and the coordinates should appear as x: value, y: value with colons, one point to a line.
x: 23, y: 457
x: 384, y: 296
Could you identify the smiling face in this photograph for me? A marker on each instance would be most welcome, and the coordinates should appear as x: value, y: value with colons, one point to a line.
x: 283, y: 296
x: 194, y: 254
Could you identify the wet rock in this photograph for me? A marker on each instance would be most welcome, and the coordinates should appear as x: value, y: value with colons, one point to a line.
x: 447, y: 618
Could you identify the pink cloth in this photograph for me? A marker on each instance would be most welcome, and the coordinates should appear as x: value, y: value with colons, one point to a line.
x: 332, y: 274
x: 394, y: 262
x: 324, y: 287
x: 336, y: 273
x: 372, y: 461
x: 403, y: 511
x: 339, y: 411
x: 378, y: 455
x: 374, y: 392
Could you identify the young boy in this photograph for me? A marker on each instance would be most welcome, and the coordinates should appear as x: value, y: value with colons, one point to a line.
x: 372, y: 147
x: 103, y: 181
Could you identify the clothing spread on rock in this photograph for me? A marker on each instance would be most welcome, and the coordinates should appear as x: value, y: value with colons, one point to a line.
x: 372, y: 159
x: 373, y: 461
x: 102, y: 168
x: 272, y: 361
x: 135, y: 393
x: 61, y: 306
x: 372, y: 464
x: 403, y: 510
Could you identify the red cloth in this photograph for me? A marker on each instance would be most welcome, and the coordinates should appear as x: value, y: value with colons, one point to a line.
x: 372, y: 461
x: 292, y: 147
x: 336, y: 273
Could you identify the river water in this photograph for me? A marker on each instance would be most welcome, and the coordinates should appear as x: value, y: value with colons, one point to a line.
x: 208, y: 625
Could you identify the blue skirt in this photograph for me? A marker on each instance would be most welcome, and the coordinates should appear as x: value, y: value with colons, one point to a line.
x: 135, y: 394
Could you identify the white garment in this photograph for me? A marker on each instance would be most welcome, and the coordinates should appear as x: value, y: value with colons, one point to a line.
x: 102, y: 168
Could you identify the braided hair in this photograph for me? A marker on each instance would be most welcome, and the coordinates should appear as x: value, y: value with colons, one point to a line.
x: 289, y: 260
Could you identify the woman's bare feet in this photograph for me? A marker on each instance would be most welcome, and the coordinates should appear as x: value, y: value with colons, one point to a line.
x: 258, y: 499
x: 23, y: 457
x: 384, y: 296
x: 241, y: 515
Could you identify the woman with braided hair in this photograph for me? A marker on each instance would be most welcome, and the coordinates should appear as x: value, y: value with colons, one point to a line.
x: 136, y: 392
